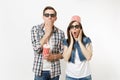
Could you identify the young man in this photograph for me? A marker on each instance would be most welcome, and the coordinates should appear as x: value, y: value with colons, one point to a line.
x: 47, y: 63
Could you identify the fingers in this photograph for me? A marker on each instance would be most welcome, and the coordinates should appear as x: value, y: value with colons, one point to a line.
x: 45, y: 56
x: 49, y: 57
x: 71, y: 37
x: 70, y: 34
x: 48, y: 24
x: 48, y: 27
x: 81, y: 32
x: 80, y: 36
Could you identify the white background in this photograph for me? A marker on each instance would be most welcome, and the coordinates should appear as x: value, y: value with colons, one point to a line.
x: 100, y: 20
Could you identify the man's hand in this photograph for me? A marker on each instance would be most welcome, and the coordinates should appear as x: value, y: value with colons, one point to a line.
x: 49, y: 57
x: 48, y: 28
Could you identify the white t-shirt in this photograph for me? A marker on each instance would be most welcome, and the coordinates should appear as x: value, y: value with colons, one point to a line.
x: 47, y: 64
x: 78, y: 69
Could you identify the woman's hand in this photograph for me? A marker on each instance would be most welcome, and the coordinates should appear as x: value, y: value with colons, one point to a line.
x: 80, y: 36
x: 71, y: 37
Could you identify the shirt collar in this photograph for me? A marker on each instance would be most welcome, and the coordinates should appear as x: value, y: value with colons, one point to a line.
x: 54, y: 28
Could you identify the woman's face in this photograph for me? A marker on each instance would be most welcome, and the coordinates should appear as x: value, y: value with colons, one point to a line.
x: 75, y: 29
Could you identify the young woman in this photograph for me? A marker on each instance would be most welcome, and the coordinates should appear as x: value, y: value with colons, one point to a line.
x: 77, y: 52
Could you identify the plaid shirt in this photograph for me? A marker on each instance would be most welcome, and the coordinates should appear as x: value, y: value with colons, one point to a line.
x: 57, y: 38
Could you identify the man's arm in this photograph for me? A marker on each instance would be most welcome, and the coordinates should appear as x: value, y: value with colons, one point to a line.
x: 54, y: 57
x: 35, y: 42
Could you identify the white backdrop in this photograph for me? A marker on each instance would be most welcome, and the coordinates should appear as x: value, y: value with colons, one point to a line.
x: 100, y: 20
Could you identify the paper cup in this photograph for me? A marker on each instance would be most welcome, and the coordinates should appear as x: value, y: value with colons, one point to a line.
x: 46, y: 49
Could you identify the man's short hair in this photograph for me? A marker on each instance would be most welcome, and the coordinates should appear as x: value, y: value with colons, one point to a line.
x: 50, y: 8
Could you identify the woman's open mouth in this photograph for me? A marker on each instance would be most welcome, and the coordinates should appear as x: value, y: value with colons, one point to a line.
x: 75, y: 34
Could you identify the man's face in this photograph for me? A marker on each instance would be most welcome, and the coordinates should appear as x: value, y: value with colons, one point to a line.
x: 49, y: 15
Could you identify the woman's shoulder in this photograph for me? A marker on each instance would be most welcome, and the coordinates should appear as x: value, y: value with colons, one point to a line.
x: 86, y: 40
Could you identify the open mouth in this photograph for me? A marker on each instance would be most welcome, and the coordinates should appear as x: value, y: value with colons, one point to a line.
x: 74, y: 33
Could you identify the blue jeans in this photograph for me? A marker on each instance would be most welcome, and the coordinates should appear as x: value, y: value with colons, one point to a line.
x: 45, y: 76
x: 85, y: 78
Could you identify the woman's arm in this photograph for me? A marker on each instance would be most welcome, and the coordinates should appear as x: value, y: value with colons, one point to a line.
x: 86, y: 50
x: 67, y: 52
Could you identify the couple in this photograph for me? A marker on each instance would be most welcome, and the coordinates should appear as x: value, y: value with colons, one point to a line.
x: 76, y: 49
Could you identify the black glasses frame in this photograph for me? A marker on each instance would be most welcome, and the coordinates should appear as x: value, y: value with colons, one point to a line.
x: 51, y: 15
x: 75, y: 26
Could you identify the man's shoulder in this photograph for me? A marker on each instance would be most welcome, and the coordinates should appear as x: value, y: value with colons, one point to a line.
x: 59, y: 30
x: 38, y: 26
